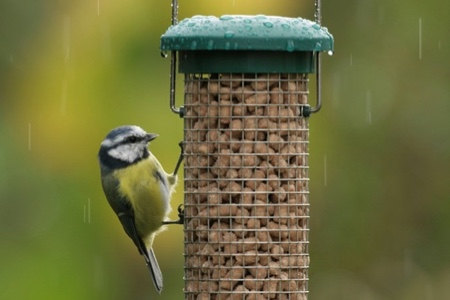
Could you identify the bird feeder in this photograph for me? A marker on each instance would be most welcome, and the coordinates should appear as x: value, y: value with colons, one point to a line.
x: 246, y: 152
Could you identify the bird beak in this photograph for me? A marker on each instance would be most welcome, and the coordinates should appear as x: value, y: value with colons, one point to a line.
x: 151, y: 136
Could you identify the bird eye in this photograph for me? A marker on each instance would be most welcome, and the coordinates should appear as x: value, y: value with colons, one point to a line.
x: 132, y: 139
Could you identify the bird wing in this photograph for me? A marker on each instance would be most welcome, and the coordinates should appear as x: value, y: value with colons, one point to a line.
x: 127, y: 220
x: 125, y: 212
x: 155, y: 271
x: 128, y: 225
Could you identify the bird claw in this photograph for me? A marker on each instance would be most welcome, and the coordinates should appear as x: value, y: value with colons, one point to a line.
x: 180, y: 158
x: 180, y: 216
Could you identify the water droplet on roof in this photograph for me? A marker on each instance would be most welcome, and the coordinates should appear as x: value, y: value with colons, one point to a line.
x: 316, y: 26
x: 210, y: 45
x: 226, y: 18
x: 228, y: 34
x: 290, y: 46
x: 268, y: 24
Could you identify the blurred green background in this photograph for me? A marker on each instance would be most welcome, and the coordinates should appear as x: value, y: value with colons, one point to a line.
x: 379, y: 155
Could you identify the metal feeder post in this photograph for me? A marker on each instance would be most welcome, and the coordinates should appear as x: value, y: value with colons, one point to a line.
x: 246, y: 153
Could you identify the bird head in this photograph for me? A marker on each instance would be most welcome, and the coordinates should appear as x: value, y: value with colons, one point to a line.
x: 125, y: 145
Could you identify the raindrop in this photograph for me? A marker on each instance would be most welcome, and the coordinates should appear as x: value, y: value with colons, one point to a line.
x: 325, y: 170
x: 210, y: 45
x: 194, y: 45
x: 227, y: 46
x: 163, y: 54
x: 268, y: 24
x: 248, y: 21
x: 248, y: 27
x: 316, y: 26
x: 330, y: 52
x: 192, y: 24
x: 420, y: 38
x: 228, y: 34
x: 429, y: 291
x: 369, y: 107
x: 286, y: 26
x: 225, y: 18
x: 64, y: 96
x: 29, y: 136
x: 290, y: 46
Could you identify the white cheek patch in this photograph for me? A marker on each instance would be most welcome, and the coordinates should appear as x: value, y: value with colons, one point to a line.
x: 127, y: 152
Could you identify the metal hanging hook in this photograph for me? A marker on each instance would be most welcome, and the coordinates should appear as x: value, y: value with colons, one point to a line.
x: 173, y: 65
x: 318, y: 85
x: 318, y: 19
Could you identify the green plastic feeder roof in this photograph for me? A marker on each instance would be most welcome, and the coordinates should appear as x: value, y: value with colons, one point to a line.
x: 238, y: 43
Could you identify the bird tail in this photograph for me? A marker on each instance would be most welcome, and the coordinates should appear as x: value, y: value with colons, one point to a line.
x: 155, y: 271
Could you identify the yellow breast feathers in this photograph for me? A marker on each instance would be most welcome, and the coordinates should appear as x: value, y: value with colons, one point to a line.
x: 147, y: 187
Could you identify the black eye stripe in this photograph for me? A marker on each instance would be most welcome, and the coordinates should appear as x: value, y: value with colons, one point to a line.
x: 132, y: 139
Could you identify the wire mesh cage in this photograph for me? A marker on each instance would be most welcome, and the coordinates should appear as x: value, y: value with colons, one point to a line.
x: 246, y: 186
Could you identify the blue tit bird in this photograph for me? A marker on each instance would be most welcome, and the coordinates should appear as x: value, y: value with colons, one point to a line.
x: 138, y: 189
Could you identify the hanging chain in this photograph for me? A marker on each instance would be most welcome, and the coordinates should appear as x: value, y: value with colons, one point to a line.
x: 318, y: 13
x: 174, y: 12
